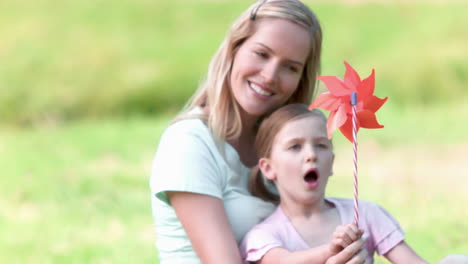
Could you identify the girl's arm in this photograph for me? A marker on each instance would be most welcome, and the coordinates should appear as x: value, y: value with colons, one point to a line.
x: 354, y: 253
x: 309, y: 256
x: 402, y: 254
x: 205, y: 222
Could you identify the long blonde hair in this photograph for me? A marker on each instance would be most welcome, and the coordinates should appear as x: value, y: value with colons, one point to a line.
x: 215, y: 92
x: 267, y: 132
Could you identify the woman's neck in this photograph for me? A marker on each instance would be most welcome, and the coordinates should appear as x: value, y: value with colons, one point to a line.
x: 249, y: 123
x: 244, y: 144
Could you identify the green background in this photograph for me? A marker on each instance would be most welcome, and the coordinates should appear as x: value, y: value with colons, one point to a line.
x: 87, y: 87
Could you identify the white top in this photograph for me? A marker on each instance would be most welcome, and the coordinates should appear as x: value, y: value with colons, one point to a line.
x: 381, y: 231
x: 189, y: 159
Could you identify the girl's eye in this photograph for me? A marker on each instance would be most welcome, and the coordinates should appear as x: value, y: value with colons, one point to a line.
x: 322, y: 145
x: 295, y: 147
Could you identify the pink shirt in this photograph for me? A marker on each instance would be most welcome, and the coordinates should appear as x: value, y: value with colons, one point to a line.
x: 381, y: 230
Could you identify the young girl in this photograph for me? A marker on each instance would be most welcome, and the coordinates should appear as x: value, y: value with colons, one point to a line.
x: 297, y: 156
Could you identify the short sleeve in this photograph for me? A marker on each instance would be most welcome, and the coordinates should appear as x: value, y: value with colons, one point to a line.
x: 258, y: 242
x: 384, y: 228
x: 186, y: 161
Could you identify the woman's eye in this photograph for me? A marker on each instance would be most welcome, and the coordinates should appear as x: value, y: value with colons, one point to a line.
x: 293, y: 68
x: 262, y: 54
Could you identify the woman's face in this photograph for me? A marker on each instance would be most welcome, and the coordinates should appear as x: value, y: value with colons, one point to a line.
x: 268, y: 66
x: 301, y: 161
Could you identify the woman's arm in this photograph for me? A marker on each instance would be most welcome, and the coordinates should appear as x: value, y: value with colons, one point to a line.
x: 403, y: 253
x: 205, y: 222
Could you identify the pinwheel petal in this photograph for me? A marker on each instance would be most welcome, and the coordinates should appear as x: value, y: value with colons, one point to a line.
x: 347, y: 129
x: 326, y: 101
x: 351, y: 77
x: 367, y: 119
x: 374, y: 103
x: 337, y: 101
x: 336, y: 120
x: 335, y: 85
x: 366, y: 87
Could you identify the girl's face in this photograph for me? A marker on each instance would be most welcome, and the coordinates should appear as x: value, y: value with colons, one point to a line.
x: 268, y: 66
x: 301, y: 161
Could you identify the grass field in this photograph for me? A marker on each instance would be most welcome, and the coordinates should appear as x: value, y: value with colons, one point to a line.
x: 73, y: 59
x: 79, y: 193
x: 92, y: 84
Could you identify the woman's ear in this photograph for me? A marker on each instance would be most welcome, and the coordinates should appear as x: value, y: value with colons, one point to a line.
x: 264, y: 165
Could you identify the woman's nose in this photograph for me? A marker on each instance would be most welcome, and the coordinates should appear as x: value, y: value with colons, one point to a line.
x: 270, y: 72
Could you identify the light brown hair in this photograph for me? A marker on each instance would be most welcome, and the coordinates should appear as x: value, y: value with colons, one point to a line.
x: 215, y: 92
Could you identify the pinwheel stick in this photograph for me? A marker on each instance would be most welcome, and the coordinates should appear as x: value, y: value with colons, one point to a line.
x: 356, y: 202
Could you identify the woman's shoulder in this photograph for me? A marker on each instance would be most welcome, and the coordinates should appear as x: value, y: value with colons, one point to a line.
x: 186, y: 127
x: 191, y: 122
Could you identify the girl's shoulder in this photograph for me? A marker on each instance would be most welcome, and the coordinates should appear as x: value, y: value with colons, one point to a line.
x: 348, y: 202
x: 345, y: 206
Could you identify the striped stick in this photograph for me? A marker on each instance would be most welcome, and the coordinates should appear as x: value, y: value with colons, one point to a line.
x: 356, y: 202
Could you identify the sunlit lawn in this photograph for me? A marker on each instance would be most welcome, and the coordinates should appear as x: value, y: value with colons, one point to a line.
x: 82, y: 58
x: 79, y: 193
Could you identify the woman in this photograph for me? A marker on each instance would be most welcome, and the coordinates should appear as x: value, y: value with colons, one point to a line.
x: 200, y: 199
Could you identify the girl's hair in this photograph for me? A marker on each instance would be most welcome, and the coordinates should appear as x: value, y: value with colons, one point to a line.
x: 264, y: 140
x: 215, y: 92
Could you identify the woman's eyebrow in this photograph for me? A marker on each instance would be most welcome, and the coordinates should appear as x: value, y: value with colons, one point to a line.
x: 272, y: 51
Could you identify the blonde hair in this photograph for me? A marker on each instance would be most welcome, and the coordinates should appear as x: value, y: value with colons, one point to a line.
x: 267, y: 132
x: 215, y: 92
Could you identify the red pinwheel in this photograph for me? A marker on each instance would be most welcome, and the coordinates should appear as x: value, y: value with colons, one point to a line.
x: 338, y: 99
x: 352, y: 105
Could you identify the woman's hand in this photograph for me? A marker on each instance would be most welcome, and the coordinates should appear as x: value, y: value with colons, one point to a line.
x: 205, y: 222
x: 355, y: 253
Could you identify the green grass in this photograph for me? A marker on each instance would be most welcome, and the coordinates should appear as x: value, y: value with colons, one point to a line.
x: 76, y: 59
x: 79, y: 193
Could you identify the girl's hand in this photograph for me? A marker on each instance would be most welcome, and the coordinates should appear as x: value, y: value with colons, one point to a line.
x: 343, y: 236
x: 355, y: 253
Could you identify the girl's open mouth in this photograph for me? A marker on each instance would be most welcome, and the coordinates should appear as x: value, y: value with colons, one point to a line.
x: 311, y: 178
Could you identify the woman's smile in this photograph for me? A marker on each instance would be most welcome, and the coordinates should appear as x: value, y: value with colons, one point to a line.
x: 260, y: 90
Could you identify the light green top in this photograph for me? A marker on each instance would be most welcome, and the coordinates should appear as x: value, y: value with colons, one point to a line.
x: 189, y: 159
